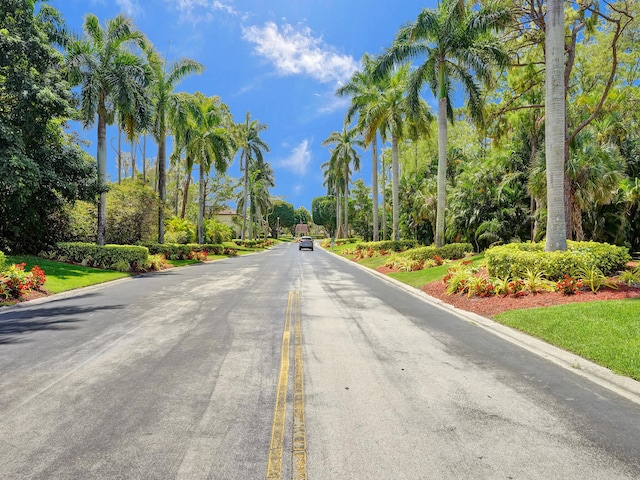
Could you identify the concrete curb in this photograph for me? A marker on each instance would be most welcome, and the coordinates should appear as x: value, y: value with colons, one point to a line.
x: 623, y: 386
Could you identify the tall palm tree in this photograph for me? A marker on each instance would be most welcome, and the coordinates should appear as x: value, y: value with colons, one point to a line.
x: 456, y: 44
x: 210, y: 145
x: 251, y: 147
x: 106, y: 71
x: 365, y: 91
x: 333, y: 180
x: 343, y: 155
x: 555, y: 115
x: 164, y: 99
x: 387, y: 117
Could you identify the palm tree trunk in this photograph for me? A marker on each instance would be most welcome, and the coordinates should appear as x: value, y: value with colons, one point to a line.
x: 246, y: 197
x: 185, y: 195
x: 162, y: 183
x: 133, y: 159
x: 101, y: 157
x: 395, y: 173
x: 442, y: 171
x: 338, y: 214
x: 144, y: 159
x: 346, y: 200
x: 555, y: 112
x: 374, y: 185
x: 119, y: 155
x: 384, y: 201
x: 201, y: 208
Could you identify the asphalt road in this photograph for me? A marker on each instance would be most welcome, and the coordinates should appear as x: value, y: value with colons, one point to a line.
x: 292, y: 364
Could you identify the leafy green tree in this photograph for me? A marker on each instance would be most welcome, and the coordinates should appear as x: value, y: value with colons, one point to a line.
x: 107, y: 72
x: 302, y: 215
x: 456, y: 45
x: 41, y: 168
x: 323, y: 213
x: 282, y: 216
x: 362, y: 212
x: 131, y: 213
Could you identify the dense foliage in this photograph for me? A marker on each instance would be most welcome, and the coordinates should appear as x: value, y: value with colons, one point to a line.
x: 40, y: 166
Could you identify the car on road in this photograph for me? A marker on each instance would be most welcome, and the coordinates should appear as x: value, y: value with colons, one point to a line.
x: 305, y: 242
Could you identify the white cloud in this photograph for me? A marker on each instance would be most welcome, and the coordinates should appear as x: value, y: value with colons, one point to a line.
x: 195, y: 11
x: 298, y: 52
x: 129, y: 7
x: 299, y: 159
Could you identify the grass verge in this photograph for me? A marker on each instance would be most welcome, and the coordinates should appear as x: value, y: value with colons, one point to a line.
x: 64, y: 276
x: 605, y: 332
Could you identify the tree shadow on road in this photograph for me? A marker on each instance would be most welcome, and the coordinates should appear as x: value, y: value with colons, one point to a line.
x: 15, y: 324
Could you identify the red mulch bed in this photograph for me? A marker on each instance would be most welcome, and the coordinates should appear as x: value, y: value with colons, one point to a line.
x: 490, y: 306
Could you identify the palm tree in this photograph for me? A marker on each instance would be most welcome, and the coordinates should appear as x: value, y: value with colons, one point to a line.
x: 210, y: 144
x: 456, y: 44
x: 365, y: 92
x: 164, y: 99
x: 387, y: 117
x: 106, y: 72
x: 335, y: 185
x: 251, y: 147
x: 343, y: 155
x: 555, y: 115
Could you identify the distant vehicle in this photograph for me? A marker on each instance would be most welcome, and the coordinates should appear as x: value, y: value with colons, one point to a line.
x: 305, y: 242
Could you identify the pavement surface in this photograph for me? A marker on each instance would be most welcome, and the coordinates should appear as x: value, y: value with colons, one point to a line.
x: 295, y: 364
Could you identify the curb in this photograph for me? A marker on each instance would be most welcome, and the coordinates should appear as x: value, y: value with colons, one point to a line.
x: 623, y: 386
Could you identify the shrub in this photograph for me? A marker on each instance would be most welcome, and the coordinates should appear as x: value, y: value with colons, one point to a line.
x: 3, y: 261
x: 569, y: 285
x: 631, y: 277
x: 217, y: 232
x: 155, y: 262
x: 102, y: 256
x: 179, y: 230
x: 515, y: 259
x: 388, y: 245
x: 15, y: 282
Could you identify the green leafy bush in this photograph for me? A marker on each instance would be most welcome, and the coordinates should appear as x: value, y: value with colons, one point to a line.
x: 217, y: 232
x: 179, y: 230
x: 388, y: 245
x: 174, y: 251
x: 102, y: 256
x: 3, y: 261
x: 515, y: 259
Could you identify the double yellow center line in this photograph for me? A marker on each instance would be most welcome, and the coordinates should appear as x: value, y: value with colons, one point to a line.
x: 299, y: 436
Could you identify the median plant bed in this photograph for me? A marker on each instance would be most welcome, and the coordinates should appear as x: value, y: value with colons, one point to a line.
x: 490, y: 306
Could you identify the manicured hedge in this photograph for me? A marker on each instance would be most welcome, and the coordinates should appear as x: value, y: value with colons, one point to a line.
x: 452, y: 251
x: 389, y: 245
x: 515, y: 259
x: 106, y: 256
x: 177, y: 251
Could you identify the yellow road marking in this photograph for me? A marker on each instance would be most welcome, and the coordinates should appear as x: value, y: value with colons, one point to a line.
x: 274, y: 467
x: 299, y: 437
x: 299, y: 444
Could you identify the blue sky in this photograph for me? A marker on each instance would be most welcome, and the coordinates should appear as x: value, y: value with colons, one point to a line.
x: 281, y: 60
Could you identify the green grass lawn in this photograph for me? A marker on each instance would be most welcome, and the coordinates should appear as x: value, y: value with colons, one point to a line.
x: 606, y: 332
x: 63, y: 276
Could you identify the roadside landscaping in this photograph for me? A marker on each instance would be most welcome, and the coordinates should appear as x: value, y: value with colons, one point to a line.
x: 594, y: 315
x: 74, y: 266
